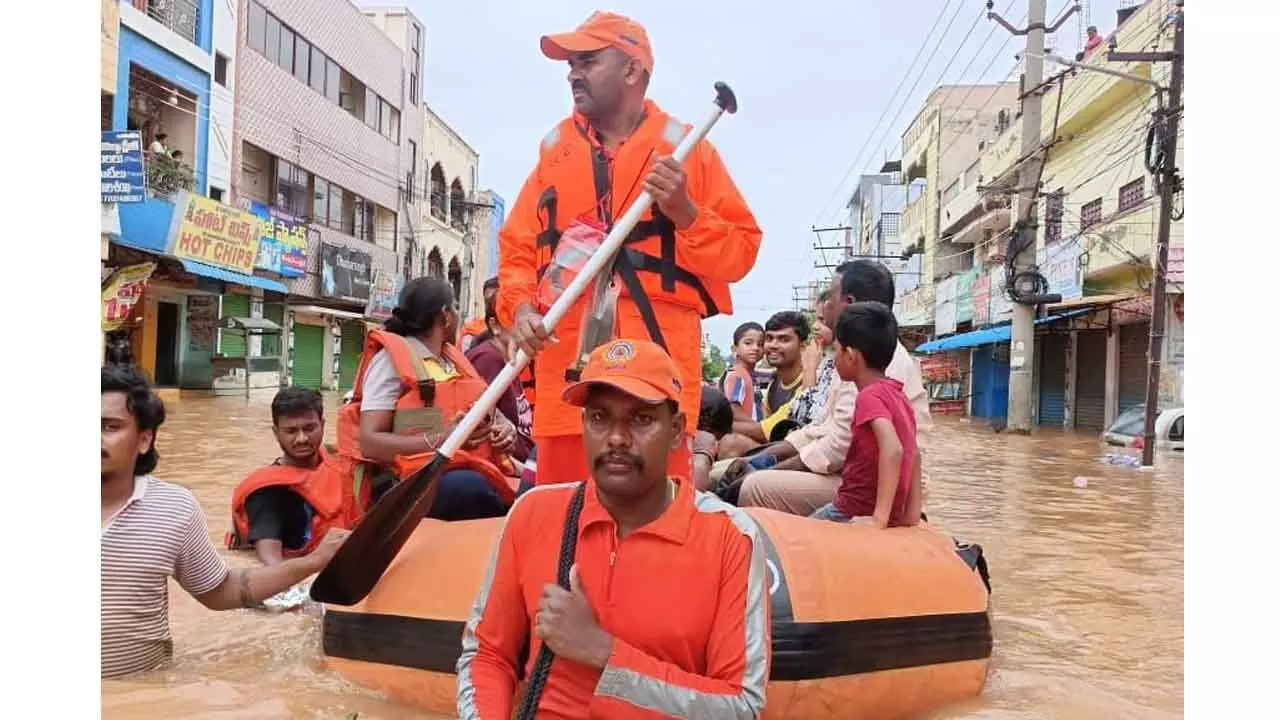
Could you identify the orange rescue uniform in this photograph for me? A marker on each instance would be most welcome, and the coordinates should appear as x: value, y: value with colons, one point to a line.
x: 332, y: 498
x: 469, y: 332
x: 683, y: 275
x: 710, y: 659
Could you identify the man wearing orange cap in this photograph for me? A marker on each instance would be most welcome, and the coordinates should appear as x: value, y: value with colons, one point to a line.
x: 678, y: 262
x: 620, y: 652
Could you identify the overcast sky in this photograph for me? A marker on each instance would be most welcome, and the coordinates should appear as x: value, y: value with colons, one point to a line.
x: 812, y: 80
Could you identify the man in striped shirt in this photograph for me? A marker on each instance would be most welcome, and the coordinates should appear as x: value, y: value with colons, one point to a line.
x: 152, y: 530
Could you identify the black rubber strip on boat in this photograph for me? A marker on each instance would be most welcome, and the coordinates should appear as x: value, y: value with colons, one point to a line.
x: 801, y: 650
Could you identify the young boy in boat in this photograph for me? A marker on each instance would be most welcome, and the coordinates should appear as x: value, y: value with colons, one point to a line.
x: 153, y: 530
x: 739, y: 382
x: 285, y: 508
x: 785, y: 335
x: 880, y: 481
x: 646, y: 540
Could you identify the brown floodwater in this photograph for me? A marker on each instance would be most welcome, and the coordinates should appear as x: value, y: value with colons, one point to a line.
x: 1087, y: 603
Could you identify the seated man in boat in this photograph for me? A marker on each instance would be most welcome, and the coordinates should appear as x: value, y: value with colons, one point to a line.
x: 880, y: 480
x: 153, y: 530
x: 658, y: 604
x: 472, y: 330
x: 488, y: 354
x: 412, y: 386
x: 803, y: 473
x: 285, y: 509
x: 785, y: 335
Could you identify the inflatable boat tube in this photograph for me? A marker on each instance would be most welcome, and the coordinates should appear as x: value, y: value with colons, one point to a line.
x: 867, y: 623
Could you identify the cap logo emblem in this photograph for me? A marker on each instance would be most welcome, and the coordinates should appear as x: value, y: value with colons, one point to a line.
x: 619, y: 353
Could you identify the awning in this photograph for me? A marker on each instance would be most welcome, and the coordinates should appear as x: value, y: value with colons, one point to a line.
x: 988, y: 336
x: 321, y: 310
x: 1087, y: 300
x: 262, y: 325
x: 209, y: 271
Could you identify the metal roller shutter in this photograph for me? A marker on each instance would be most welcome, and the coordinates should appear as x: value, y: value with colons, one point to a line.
x: 1132, y: 388
x: 232, y: 344
x: 349, y: 355
x: 308, y: 355
x: 1091, y: 380
x: 1053, y: 379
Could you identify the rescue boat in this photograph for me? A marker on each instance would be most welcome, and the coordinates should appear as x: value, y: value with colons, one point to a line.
x: 867, y: 623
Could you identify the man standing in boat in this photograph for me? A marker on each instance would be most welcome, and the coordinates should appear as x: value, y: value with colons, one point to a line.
x: 678, y: 264
x: 621, y: 649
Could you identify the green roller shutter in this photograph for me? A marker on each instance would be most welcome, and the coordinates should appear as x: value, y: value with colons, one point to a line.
x: 308, y: 355
x: 271, y: 343
x: 349, y: 358
x: 233, y: 340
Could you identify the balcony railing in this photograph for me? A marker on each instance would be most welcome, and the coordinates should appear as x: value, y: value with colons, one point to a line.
x: 180, y: 16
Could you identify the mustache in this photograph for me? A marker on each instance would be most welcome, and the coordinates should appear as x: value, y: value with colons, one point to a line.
x: 634, y: 460
x: 580, y: 85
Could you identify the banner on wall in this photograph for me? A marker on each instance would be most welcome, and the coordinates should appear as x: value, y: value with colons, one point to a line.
x: 282, y: 242
x: 1060, y: 265
x: 944, y: 304
x: 345, y: 273
x: 212, y: 233
x: 124, y: 177
x: 964, y: 295
x: 384, y: 294
x: 121, y: 292
x: 981, y: 311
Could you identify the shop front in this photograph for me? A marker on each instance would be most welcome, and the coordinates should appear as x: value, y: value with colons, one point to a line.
x: 327, y: 318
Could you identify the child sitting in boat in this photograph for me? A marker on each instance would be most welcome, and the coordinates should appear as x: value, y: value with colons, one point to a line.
x: 880, y: 480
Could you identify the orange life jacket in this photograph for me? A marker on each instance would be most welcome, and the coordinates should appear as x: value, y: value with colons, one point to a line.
x: 330, y: 495
x: 527, y: 383
x: 425, y: 406
x: 470, y: 332
x: 646, y: 266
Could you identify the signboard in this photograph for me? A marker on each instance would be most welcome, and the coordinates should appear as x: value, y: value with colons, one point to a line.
x: 981, y: 311
x: 1001, y: 304
x: 964, y: 295
x: 124, y: 178
x: 345, y: 273
x: 944, y: 304
x: 1173, y: 269
x: 917, y: 307
x: 209, y: 232
x: 282, y: 247
x: 1060, y: 265
x: 385, y: 294
x: 121, y: 293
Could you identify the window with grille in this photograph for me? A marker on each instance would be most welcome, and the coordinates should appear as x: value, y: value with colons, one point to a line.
x: 889, y: 225
x: 1090, y: 214
x: 1053, y: 217
x: 1132, y: 194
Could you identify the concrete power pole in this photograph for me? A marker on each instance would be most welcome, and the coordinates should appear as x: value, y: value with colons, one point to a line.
x: 1022, y: 343
x: 1169, y: 184
x: 1022, y: 244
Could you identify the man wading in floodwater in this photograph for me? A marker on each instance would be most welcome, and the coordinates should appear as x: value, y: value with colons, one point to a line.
x: 678, y: 263
x: 153, y: 530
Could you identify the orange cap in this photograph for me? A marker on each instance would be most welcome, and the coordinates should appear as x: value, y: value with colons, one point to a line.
x: 637, y: 367
x: 602, y: 30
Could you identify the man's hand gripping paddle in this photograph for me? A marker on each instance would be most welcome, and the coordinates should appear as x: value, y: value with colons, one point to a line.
x: 376, y: 540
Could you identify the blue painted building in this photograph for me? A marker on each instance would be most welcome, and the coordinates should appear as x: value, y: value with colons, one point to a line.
x: 174, y: 83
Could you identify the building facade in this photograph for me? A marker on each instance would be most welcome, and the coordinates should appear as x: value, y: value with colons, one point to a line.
x: 451, y: 211
x: 1096, y: 234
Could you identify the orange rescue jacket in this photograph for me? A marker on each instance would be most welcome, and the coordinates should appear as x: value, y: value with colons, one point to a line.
x: 330, y: 495
x: 425, y: 406
x: 669, y: 278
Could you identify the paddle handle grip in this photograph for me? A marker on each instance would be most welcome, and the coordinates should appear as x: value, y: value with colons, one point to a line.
x: 725, y: 102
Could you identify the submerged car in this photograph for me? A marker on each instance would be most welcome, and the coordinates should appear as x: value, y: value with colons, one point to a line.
x: 1126, y: 431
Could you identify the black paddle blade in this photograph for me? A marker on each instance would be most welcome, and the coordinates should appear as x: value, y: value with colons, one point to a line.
x: 375, y: 541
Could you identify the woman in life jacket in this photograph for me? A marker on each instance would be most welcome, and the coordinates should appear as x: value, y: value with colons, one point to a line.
x: 413, y: 389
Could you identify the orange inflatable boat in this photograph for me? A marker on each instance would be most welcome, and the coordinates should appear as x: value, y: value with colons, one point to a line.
x: 867, y: 623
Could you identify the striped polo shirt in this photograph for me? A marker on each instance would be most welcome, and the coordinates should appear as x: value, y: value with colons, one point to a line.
x: 160, y: 532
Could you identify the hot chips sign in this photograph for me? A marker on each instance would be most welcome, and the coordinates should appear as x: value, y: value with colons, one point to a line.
x: 210, y: 232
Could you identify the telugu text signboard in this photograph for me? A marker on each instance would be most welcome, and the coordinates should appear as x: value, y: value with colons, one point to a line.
x: 282, y: 247
x: 209, y: 232
x: 121, y: 293
x: 124, y: 177
x: 1060, y: 265
x: 385, y: 294
x: 981, y: 311
x: 964, y: 295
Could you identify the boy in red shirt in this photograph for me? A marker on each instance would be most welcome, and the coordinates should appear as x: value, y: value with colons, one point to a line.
x: 881, y: 475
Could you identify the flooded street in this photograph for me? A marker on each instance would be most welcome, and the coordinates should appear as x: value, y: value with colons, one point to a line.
x: 1087, y: 604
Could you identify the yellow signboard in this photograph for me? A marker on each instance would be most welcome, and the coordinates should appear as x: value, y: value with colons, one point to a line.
x: 121, y: 292
x: 212, y: 233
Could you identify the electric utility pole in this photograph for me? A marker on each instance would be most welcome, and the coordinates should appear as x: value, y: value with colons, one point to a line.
x: 1169, y: 183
